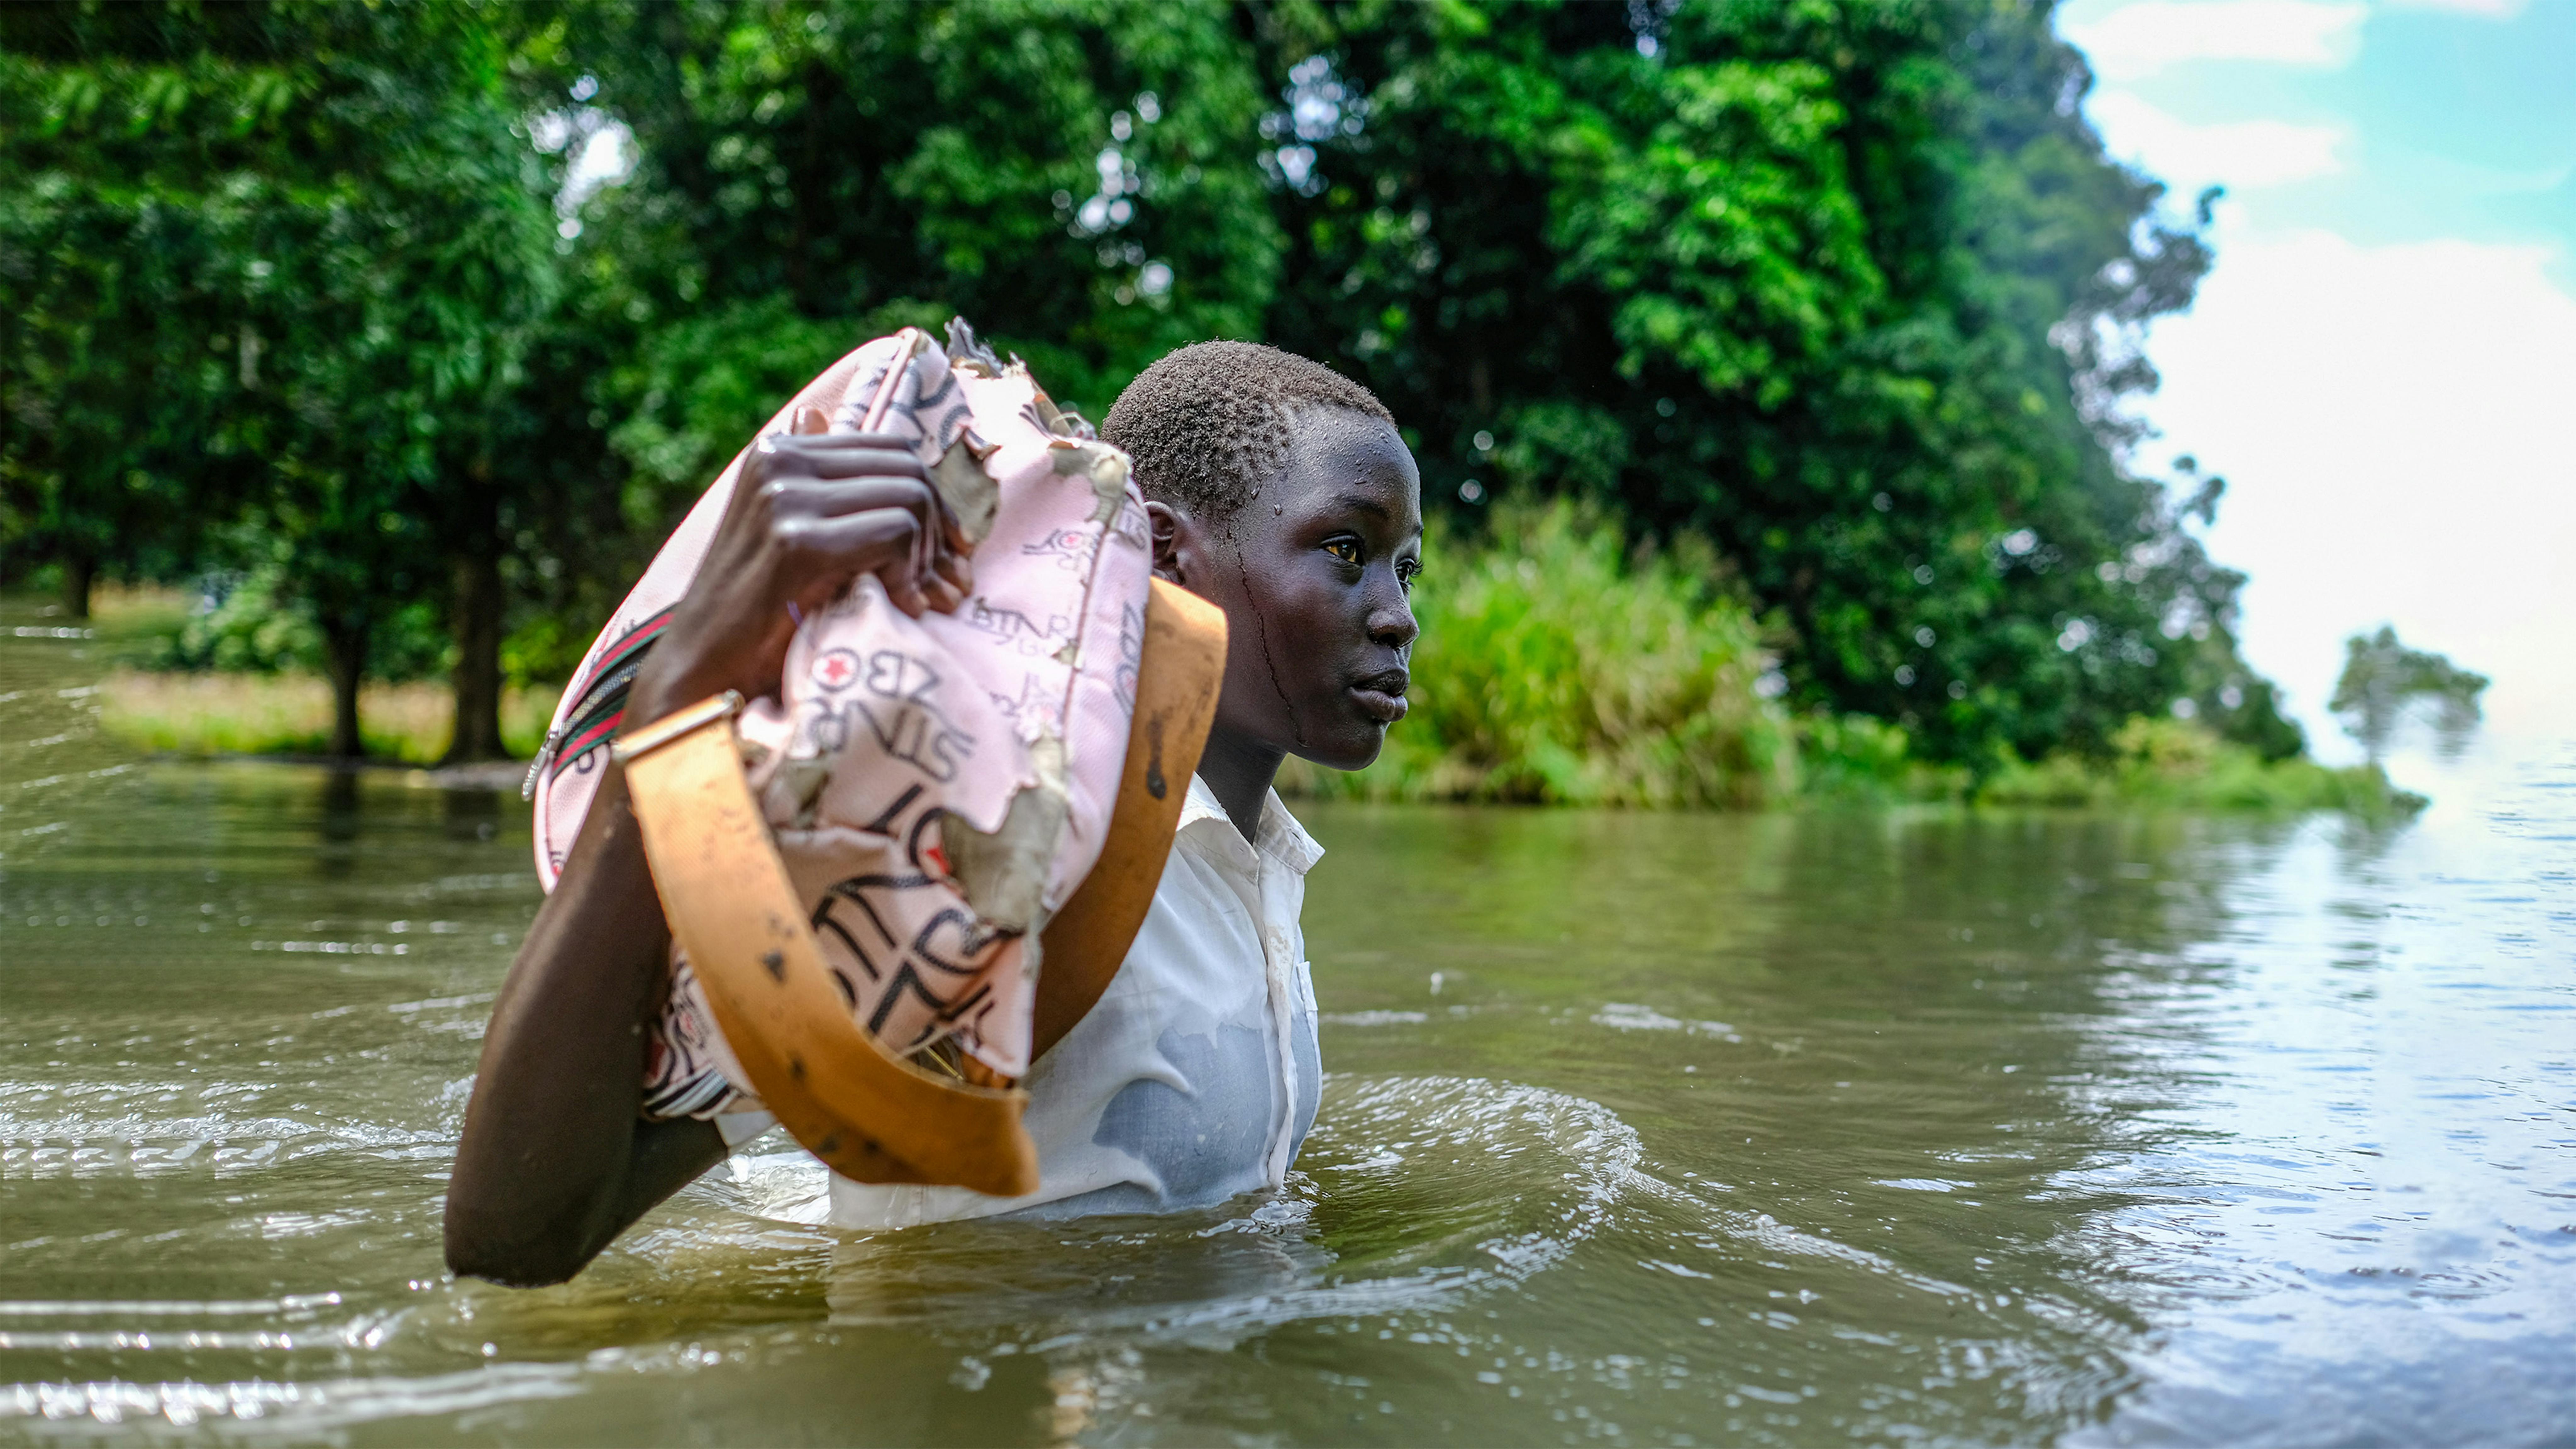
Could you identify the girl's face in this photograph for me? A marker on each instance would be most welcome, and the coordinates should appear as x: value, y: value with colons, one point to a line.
x: 1315, y: 575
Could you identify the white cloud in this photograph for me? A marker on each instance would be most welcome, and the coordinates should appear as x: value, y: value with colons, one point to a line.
x: 2393, y: 424
x: 2236, y: 154
x: 2141, y: 39
x: 2483, y: 9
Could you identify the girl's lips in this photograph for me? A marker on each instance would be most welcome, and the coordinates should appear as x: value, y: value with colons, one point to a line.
x: 1381, y: 697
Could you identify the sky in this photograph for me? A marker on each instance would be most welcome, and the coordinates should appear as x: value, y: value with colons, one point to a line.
x: 2383, y: 362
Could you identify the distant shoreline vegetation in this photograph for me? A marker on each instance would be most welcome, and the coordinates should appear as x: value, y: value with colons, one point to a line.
x: 1560, y: 665
x: 208, y: 714
x: 239, y: 680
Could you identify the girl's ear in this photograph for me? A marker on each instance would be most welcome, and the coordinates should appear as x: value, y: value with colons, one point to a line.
x: 1175, y: 538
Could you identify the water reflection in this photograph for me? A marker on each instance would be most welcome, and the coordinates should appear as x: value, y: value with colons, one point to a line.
x: 1665, y: 1128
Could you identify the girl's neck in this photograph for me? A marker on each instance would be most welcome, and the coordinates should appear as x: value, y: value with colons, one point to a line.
x: 1240, y: 770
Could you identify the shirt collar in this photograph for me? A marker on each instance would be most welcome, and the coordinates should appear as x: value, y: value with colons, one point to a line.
x: 1282, y: 838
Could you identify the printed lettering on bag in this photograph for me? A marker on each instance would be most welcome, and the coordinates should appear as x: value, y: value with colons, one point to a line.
x: 1069, y: 547
x: 908, y: 727
x: 894, y: 674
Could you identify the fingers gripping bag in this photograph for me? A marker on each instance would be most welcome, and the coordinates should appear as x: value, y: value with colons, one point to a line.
x: 936, y: 789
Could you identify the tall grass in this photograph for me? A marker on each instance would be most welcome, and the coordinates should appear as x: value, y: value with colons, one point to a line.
x: 1557, y: 665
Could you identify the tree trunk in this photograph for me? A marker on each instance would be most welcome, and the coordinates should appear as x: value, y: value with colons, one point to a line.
x: 79, y: 572
x: 344, y: 658
x: 477, y: 625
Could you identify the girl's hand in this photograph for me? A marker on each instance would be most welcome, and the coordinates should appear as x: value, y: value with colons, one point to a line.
x: 811, y: 512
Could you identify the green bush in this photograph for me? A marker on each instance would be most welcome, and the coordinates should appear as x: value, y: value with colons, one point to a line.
x: 254, y: 627
x: 1860, y: 759
x: 249, y: 630
x: 1559, y: 666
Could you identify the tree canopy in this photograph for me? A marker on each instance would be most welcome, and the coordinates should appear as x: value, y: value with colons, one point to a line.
x: 1847, y: 288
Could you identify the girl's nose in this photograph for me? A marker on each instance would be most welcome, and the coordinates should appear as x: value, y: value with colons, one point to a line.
x: 1392, y: 624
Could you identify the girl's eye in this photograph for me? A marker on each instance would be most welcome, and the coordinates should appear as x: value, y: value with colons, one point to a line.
x: 1407, y: 571
x: 1345, y: 549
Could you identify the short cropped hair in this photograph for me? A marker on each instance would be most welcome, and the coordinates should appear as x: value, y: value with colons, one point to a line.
x: 1211, y: 423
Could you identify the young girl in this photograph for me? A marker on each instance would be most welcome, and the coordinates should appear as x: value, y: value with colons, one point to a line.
x: 1279, y: 491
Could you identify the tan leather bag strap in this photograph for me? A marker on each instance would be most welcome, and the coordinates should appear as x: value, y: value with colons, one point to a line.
x: 867, y: 1113
x: 1177, y: 680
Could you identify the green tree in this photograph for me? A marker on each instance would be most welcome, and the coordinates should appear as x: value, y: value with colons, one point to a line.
x: 122, y: 425
x: 1070, y: 175
x: 364, y: 231
x: 1849, y: 287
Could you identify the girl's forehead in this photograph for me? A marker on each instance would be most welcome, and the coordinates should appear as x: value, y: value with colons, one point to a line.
x: 1344, y: 458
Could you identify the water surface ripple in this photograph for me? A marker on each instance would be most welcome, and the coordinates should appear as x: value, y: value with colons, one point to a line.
x: 1663, y: 1129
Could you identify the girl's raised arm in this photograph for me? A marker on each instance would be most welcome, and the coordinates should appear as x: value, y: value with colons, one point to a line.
x: 556, y: 1159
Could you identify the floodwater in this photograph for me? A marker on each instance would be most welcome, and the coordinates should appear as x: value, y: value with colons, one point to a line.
x: 1643, y: 1128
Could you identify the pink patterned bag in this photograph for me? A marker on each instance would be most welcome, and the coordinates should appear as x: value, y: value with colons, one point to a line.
x: 937, y: 787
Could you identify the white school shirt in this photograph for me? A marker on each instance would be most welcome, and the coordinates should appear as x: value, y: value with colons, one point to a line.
x: 1194, y: 1079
